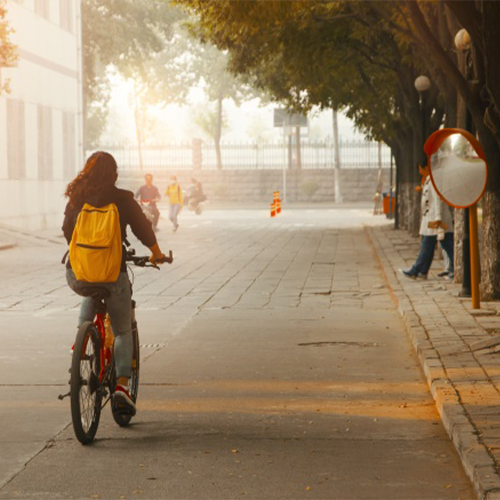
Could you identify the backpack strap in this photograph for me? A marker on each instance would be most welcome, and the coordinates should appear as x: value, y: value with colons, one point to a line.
x: 65, y: 256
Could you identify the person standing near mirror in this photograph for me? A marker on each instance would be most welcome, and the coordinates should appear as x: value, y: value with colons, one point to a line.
x: 436, y: 221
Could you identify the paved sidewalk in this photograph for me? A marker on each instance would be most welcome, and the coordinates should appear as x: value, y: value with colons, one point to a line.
x: 454, y: 345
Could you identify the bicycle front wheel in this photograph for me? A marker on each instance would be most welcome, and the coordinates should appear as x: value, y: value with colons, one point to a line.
x: 86, y: 398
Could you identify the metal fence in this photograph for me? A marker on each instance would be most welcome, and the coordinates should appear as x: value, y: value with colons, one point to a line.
x: 257, y: 156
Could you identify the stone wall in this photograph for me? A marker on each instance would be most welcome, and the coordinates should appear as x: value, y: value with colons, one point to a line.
x: 258, y: 185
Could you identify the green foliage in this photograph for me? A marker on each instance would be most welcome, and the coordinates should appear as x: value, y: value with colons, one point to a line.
x: 208, y: 121
x: 148, y: 42
x: 132, y: 36
x: 8, y: 52
x: 341, y: 55
x: 309, y: 187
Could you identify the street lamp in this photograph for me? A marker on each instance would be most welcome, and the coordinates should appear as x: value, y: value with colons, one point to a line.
x: 462, y: 40
x: 423, y: 84
x: 463, y: 44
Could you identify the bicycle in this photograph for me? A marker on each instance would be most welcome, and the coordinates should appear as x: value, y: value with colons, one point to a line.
x: 93, y: 376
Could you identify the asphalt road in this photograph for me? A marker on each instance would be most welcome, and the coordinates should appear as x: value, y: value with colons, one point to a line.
x: 274, y: 366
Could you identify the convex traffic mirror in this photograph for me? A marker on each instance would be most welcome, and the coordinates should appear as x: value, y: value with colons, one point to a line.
x: 458, y: 167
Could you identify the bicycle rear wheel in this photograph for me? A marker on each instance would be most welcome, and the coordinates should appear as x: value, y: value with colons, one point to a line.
x: 86, y: 399
x: 121, y: 419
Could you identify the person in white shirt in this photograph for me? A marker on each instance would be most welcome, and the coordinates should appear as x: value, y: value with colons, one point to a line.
x: 436, y: 225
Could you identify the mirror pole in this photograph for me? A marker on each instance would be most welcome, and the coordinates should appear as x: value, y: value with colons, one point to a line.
x: 474, y: 257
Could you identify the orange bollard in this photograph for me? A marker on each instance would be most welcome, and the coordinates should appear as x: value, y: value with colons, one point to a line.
x: 273, y: 209
x: 277, y: 201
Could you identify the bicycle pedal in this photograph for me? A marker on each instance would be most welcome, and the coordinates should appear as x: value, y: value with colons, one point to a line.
x: 62, y: 396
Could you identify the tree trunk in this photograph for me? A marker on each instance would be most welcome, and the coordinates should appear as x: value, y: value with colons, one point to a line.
x: 218, y: 133
x: 298, y: 154
x: 336, y: 157
x: 490, y: 261
x: 408, y: 206
x: 138, y: 127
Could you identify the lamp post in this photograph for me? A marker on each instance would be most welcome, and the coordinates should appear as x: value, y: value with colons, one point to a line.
x: 463, y: 44
x: 423, y: 84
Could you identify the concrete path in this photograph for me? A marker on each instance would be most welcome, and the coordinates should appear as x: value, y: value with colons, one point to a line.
x: 459, y: 349
x: 274, y: 366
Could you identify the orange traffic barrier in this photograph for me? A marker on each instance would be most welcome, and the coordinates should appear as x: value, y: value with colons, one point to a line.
x: 277, y: 201
x: 273, y: 209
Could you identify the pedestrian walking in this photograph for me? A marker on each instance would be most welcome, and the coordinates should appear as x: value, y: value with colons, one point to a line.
x: 176, y: 200
x: 436, y: 225
x: 149, y: 196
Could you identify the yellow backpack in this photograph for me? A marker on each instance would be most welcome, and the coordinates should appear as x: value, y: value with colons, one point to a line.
x: 95, y: 251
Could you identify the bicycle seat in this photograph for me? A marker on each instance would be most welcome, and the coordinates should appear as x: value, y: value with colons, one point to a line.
x: 96, y: 292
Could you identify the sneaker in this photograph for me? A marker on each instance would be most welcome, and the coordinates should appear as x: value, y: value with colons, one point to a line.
x: 421, y: 276
x: 443, y: 274
x: 450, y: 277
x: 408, y: 274
x: 123, y: 402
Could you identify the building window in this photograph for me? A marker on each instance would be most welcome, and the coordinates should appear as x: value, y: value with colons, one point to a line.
x: 66, y: 15
x: 44, y: 143
x: 16, y: 139
x: 42, y: 8
x: 69, y: 149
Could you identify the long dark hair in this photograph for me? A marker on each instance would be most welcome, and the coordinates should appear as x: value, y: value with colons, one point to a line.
x: 98, y: 176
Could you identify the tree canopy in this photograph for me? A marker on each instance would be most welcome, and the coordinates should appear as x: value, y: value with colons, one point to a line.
x: 363, y: 57
x: 129, y: 35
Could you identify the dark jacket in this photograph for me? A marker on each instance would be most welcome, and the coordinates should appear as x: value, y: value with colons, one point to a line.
x: 130, y: 215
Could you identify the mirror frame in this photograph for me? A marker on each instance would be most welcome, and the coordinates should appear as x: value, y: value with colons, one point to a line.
x: 434, y: 142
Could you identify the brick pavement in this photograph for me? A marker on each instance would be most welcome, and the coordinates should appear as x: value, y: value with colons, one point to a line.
x: 453, y: 343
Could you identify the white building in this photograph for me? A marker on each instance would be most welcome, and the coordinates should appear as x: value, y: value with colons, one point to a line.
x: 41, y: 118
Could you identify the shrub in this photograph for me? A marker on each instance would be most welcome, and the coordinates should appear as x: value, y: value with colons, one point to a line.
x: 309, y: 188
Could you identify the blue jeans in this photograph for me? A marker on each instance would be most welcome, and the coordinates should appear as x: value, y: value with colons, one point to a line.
x: 173, y: 212
x: 426, y: 254
x: 119, y: 305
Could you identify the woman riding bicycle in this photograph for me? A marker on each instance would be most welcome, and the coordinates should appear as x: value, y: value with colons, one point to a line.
x: 95, y: 186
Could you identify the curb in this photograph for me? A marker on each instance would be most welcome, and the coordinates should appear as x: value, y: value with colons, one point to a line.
x: 478, y: 462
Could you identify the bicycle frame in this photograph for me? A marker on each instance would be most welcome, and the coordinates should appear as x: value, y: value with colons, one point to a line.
x: 104, y: 352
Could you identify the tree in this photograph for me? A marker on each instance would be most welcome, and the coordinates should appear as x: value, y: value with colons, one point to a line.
x: 212, y: 123
x: 211, y: 66
x: 122, y: 33
x: 364, y: 57
x: 478, y: 92
x: 334, y: 55
x: 8, y: 52
x: 164, y: 78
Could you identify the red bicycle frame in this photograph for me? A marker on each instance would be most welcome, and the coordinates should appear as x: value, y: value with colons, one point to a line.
x: 104, y: 351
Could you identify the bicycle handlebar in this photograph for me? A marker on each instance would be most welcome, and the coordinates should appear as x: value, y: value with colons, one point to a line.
x: 145, y: 262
